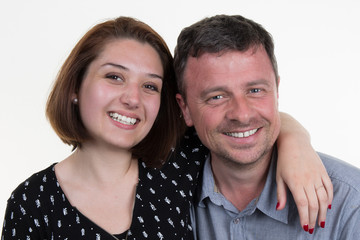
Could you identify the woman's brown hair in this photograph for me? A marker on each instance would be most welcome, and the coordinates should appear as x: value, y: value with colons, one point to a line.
x: 64, y: 115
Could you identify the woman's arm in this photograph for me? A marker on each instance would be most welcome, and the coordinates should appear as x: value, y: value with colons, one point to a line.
x: 302, y: 171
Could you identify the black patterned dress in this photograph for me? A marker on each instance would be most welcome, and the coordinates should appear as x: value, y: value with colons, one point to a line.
x: 39, y: 209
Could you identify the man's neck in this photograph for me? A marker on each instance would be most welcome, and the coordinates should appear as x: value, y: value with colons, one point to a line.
x: 240, y: 184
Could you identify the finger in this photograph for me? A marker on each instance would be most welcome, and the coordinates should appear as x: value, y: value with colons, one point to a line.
x: 281, y: 194
x: 326, y: 182
x: 323, y: 205
x: 329, y: 189
x: 313, y: 207
x: 301, y: 202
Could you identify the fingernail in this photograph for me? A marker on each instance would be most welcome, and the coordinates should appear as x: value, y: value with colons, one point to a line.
x: 277, y: 205
x: 322, y: 224
x: 329, y: 207
x: 311, y: 230
x: 306, y: 227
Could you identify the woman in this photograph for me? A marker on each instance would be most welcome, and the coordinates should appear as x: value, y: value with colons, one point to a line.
x: 113, y: 101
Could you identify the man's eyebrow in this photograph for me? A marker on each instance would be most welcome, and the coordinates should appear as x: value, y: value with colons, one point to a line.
x: 205, y: 92
x: 152, y: 75
x: 258, y: 82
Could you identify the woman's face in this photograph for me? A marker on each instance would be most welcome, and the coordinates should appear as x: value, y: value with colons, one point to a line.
x: 119, y: 98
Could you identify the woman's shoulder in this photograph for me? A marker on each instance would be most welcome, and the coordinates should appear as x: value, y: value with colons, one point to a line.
x: 36, y: 185
x: 190, y: 150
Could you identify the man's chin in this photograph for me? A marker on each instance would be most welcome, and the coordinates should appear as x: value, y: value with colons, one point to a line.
x: 245, y: 156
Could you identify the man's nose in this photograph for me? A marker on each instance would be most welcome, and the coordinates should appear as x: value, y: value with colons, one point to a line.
x: 240, y: 109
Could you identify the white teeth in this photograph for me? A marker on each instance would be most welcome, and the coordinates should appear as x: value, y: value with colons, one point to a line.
x: 242, y: 134
x: 122, y: 119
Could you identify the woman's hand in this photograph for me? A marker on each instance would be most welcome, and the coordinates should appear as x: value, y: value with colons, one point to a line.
x: 302, y: 171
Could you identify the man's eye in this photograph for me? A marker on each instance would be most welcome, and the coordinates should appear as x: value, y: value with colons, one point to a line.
x: 255, y: 90
x: 216, y: 97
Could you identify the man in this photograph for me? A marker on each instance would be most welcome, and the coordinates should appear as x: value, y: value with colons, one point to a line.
x: 228, y: 83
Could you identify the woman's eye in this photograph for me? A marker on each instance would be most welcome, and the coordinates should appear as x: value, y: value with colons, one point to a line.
x: 114, y: 77
x: 151, y: 87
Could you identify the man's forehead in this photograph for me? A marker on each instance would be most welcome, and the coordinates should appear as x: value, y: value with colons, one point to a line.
x: 209, y: 58
x: 223, y: 64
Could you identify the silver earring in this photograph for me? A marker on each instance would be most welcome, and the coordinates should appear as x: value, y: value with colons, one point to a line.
x: 76, y: 101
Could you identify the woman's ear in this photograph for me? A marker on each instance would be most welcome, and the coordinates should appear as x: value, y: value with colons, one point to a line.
x: 74, y: 99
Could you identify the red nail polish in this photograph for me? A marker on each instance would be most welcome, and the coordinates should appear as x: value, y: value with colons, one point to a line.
x: 329, y: 207
x: 306, y: 227
x: 277, y: 205
x: 322, y: 224
x: 311, y: 230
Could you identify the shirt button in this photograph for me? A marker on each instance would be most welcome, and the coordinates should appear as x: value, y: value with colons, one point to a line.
x: 236, y: 220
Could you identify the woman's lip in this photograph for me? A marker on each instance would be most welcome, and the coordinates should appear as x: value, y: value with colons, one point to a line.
x: 124, y: 119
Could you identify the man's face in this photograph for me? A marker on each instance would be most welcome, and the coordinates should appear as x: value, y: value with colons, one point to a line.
x: 232, y: 100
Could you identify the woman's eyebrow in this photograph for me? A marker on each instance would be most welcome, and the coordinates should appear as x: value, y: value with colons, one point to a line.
x: 152, y: 75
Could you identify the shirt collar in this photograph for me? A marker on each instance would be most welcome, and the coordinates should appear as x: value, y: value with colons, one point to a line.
x: 210, y: 191
x: 266, y: 203
x: 268, y: 197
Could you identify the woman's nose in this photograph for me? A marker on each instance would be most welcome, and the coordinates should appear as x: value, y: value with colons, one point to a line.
x: 131, y: 96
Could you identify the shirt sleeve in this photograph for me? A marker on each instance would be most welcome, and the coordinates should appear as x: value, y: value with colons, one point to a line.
x: 351, y: 228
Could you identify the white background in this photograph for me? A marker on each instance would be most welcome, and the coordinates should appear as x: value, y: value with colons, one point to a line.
x: 317, y: 47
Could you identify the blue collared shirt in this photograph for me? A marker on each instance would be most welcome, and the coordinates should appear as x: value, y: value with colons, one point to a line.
x: 216, y: 218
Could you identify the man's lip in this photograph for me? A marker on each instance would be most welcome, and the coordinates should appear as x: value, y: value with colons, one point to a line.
x: 242, y: 134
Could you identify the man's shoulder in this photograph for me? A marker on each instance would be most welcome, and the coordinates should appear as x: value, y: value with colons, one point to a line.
x: 341, y: 172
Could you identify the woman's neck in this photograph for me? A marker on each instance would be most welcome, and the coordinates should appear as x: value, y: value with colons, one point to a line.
x: 99, y: 165
x: 101, y: 184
